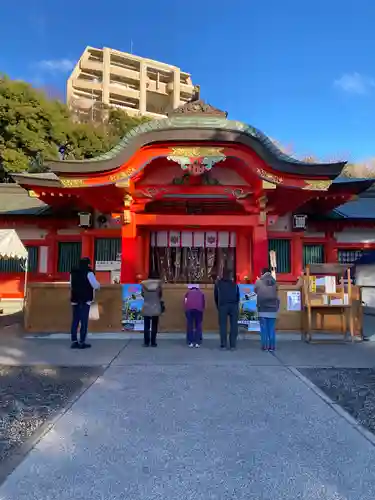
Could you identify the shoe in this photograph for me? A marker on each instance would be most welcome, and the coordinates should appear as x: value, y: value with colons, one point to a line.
x: 223, y: 347
x: 191, y: 345
x: 74, y: 345
x: 145, y: 345
x: 197, y: 346
x: 264, y: 348
x: 154, y: 345
x: 272, y: 349
x: 83, y: 345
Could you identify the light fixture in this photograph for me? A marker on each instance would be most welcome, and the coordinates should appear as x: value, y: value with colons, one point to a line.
x: 84, y: 219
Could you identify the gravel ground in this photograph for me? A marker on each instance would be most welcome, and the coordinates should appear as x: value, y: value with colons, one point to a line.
x: 353, y: 389
x: 29, y: 396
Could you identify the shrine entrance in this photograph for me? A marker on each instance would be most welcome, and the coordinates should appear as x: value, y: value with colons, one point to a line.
x: 192, y: 256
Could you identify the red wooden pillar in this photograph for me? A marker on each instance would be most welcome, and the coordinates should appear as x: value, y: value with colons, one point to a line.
x: 146, y: 242
x: 297, y: 255
x: 242, y: 256
x: 129, y: 251
x: 52, y: 252
x: 330, y: 249
x: 259, y: 250
x: 88, y: 247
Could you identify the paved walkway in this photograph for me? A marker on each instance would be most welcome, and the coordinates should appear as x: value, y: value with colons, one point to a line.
x: 173, y: 423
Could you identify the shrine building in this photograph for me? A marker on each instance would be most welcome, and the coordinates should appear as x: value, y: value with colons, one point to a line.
x: 186, y: 196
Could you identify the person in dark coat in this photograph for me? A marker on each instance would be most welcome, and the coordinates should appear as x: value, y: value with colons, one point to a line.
x: 227, y: 298
x: 152, y: 308
x: 82, y: 286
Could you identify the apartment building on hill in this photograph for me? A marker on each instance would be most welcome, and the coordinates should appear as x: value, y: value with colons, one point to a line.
x: 139, y: 86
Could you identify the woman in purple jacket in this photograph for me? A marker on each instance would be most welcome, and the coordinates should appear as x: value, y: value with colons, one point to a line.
x: 194, y: 304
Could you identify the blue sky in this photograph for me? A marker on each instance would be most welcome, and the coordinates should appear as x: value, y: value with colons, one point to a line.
x: 301, y: 71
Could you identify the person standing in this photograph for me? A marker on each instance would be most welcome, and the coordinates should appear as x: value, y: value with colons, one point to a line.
x: 194, y: 303
x: 268, y: 306
x: 82, y: 286
x: 152, y: 308
x: 227, y: 298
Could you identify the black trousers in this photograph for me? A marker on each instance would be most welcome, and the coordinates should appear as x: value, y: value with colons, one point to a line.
x: 80, y: 317
x: 231, y: 311
x: 153, y: 323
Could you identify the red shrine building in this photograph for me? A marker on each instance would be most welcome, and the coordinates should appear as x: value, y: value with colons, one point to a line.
x: 186, y: 196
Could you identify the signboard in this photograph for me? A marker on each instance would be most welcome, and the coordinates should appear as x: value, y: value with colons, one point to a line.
x: 294, y: 301
x: 248, y: 315
x: 132, y: 302
x: 109, y: 265
x: 313, y: 284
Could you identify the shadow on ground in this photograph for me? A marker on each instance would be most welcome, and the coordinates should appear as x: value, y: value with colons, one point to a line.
x: 351, y: 388
x: 29, y: 397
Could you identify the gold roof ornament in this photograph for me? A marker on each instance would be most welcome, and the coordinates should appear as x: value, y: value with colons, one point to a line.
x: 311, y: 185
x: 68, y: 182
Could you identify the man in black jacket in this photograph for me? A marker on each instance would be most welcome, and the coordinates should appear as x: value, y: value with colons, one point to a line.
x: 82, y: 286
x: 227, y: 298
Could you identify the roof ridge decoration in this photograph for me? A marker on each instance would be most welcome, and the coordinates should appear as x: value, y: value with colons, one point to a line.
x: 198, y: 106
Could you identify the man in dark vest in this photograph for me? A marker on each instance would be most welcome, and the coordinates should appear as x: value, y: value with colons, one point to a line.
x: 82, y: 285
x: 227, y: 298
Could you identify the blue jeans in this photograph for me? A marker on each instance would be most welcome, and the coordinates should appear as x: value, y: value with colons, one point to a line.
x: 80, y: 316
x: 268, y: 332
x: 194, y: 320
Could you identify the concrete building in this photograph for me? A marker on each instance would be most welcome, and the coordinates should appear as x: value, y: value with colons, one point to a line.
x: 135, y: 84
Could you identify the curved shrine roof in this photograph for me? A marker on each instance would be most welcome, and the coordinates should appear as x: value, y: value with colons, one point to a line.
x: 195, y: 122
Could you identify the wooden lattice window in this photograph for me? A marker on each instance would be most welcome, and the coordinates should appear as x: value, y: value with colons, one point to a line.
x: 349, y: 255
x: 283, y: 254
x: 69, y: 256
x: 313, y: 254
x: 107, y: 249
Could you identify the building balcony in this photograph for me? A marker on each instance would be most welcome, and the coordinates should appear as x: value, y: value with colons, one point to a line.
x: 87, y: 64
x: 158, y: 88
x: 186, y: 88
x: 122, y: 90
x: 86, y: 84
x: 124, y: 72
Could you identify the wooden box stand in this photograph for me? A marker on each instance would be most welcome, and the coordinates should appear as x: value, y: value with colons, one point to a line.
x: 318, y: 301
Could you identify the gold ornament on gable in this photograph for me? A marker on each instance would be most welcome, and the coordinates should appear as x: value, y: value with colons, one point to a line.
x: 196, y: 152
x: 317, y: 185
x: 275, y: 179
x: 72, y: 183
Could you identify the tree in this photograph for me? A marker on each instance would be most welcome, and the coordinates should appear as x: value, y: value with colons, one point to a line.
x: 120, y: 123
x: 34, y: 127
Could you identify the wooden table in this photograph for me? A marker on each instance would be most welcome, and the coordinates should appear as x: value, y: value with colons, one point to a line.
x: 345, y: 310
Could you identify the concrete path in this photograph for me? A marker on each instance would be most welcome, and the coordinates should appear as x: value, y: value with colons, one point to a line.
x: 173, y: 423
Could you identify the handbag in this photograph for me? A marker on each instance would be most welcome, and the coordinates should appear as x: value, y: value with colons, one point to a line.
x: 94, y: 312
x: 162, y: 306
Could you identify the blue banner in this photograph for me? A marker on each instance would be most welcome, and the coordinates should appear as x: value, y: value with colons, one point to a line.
x: 248, y: 315
x: 132, y: 302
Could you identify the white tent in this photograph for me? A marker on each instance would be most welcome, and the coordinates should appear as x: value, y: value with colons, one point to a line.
x: 11, y: 247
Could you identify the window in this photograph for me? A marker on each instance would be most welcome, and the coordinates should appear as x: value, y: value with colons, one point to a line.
x: 17, y: 266
x: 282, y: 249
x: 313, y: 254
x: 69, y: 256
x: 348, y: 256
x: 107, y: 249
